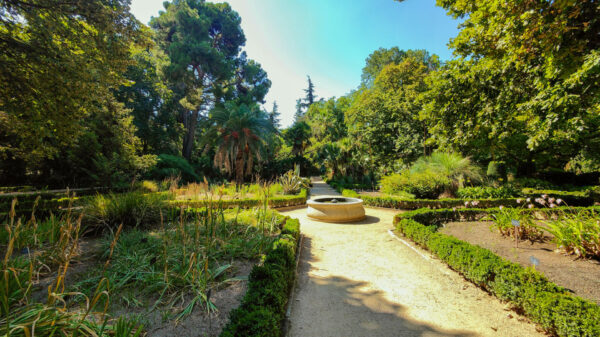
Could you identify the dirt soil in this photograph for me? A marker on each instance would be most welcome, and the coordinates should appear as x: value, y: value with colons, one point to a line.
x: 582, y: 277
x: 199, y: 323
x: 358, y: 280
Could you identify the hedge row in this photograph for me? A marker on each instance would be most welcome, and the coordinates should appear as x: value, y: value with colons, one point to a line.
x: 43, y: 208
x: 274, y: 202
x: 574, y: 198
x: 399, y: 203
x: 262, y: 310
x: 544, y: 302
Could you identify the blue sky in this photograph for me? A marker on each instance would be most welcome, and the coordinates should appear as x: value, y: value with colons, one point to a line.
x: 327, y: 39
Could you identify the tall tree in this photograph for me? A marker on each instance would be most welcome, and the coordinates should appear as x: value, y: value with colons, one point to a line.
x: 532, y: 69
x: 274, y: 116
x: 237, y: 132
x: 151, y: 102
x: 299, y: 114
x: 203, y: 41
x: 385, y: 118
x: 310, y: 97
x: 60, y: 61
x: 382, y: 57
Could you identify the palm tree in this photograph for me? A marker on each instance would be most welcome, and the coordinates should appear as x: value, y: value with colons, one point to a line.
x: 451, y: 165
x: 237, y: 132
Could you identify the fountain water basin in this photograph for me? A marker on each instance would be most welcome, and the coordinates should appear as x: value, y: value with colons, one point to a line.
x: 336, y: 209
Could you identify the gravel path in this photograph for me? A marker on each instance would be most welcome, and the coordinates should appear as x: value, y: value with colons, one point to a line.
x: 358, y: 280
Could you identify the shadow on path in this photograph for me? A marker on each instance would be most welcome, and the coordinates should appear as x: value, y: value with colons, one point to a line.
x: 339, y: 306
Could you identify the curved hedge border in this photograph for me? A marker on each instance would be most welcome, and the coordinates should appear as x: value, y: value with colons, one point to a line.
x: 262, y: 310
x: 274, y: 202
x: 542, y: 301
x: 399, y: 203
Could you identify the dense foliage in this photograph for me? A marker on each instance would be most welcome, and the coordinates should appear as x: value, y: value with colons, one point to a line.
x: 117, y: 100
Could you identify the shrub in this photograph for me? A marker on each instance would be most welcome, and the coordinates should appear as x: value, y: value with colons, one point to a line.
x: 451, y: 166
x: 487, y: 192
x: 130, y: 209
x: 424, y: 185
x: 173, y: 166
x: 291, y: 182
x: 533, y: 183
x: 496, y: 169
x: 148, y: 186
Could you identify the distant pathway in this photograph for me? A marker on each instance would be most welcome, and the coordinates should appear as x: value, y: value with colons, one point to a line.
x: 358, y: 280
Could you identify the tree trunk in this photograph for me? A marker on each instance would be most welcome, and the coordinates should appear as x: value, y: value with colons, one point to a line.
x: 239, y: 168
x: 190, y: 120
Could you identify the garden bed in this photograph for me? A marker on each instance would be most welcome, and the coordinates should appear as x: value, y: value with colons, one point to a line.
x: 581, y: 276
x: 553, y: 307
x: 164, y: 273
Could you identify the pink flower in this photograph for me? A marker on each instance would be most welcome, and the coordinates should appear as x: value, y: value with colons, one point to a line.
x: 475, y: 203
x: 551, y: 200
x: 559, y: 201
x: 530, y: 206
x: 518, y: 201
x: 528, y: 199
x: 552, y: 205
x: 466, y: 203
x: 454, y: 209
x: 501, y: 207
x: 544, y: 196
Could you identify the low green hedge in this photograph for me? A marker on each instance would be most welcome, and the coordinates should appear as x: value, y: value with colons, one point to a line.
x: 574, y: 198
x: 274, y: 202
x: 400, y: 203
x: 544, y: 302
x: 262, y: 310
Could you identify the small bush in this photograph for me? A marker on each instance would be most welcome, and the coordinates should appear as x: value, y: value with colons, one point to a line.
x: 173, y: 166
x: 148, y: 186
x: 130, y: 209
x: 424, y: 185
x: 496, y: 169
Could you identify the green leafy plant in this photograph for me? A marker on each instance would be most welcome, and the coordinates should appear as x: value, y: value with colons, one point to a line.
x: 423, y: 185
x: 527, y: 229
x: 291, y: 182
x: 451, y: 166
x: 130, y: 209
x: 576, y: 232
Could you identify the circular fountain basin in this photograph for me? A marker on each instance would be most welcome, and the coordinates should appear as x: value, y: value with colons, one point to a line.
x: 336, y: 209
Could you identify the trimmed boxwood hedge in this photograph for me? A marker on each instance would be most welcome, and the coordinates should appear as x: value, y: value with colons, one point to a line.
x: 274, y: 202
x: 262, y: 310
x: 399, y: 203
x: 544, y: 302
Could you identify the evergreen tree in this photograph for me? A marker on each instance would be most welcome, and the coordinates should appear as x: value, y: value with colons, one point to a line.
x: 299, y: 110
x: 310, y: 94
x: 274, y: 116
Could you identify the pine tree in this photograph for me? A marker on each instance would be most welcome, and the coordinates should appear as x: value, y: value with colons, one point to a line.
x: 310, y: 94
x: 274, y: 116
x: 299, y: 110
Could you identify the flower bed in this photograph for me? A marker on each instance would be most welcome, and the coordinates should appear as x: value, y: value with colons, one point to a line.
x: 545, y: 303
